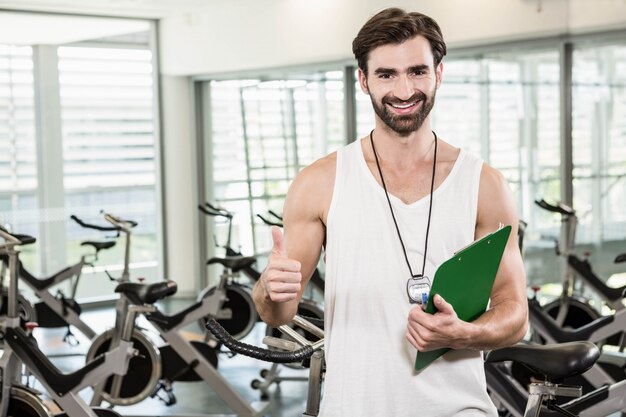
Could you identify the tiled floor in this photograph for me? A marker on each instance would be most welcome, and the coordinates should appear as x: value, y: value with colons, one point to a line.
x: 193, y: 398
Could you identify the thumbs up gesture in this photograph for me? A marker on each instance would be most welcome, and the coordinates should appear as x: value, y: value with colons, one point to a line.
x: 282, y: 276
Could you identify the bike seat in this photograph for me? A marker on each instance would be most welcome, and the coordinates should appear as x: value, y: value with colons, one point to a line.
x: 546, y: 324
x: 236, y: 263
x: 100, y: 412
x: 555, y: 361
x: 99, y: 245
x: 140, y: 294
x: 25, y: 239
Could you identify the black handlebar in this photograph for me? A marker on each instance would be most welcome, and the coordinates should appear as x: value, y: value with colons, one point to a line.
x: 23, y: 239
x: 93, y: 226
x: 256, y: 352
x: 560, y: 208
x: 269, y: 222
x: 211, y: 210
x: 279, y: 217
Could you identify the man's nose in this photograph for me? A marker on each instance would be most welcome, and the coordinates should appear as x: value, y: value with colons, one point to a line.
x: 404, y: 88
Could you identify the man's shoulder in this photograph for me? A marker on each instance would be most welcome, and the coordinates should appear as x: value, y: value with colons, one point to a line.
x: 320, y: 170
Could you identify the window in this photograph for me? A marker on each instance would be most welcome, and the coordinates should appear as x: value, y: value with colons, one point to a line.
x: 599, y: 135
x: 18, y: 168
x: 78, y: 135
x: 263, y: 133
x: 109, y: 144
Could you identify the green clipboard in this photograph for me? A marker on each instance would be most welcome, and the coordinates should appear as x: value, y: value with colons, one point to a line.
x: 465, y: 281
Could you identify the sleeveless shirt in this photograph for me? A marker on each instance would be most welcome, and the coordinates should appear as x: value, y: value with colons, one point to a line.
x: 369, y: 361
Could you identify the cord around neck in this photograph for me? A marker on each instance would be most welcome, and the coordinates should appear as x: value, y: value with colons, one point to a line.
x: 393, y: 216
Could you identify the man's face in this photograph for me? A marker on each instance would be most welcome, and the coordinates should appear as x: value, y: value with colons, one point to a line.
x: 402, y: 84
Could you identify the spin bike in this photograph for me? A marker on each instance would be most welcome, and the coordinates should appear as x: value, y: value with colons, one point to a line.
x: 58, y: 310
x: 293, y: 348
x: 553, y: 362
x: 239, y: 294
x: 178, y: 359
x: 611, y: 366
x: 571, y: 309
x: 20, y: 349
x: 242, y: 302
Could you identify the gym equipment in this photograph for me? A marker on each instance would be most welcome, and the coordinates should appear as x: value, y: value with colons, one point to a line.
x: 178, y: 359
x: 59, y: 310
x: 571, y: 309
x: 552, y: 364
x: 239, y: 300
x: 295, y: 349
x: 20, y: 348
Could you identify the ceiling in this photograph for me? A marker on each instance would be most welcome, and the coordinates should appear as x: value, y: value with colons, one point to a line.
x: 56, y: 22
x: 43, y: 29
x: 152, y: 9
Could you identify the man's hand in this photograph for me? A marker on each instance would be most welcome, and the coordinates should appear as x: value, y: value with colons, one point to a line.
x: 282, y: 277
x: 440, y: 330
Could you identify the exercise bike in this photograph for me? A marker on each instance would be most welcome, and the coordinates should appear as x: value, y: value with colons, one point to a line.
x: 571, y: 309
x: 56, y: 309
x: 16, y: 399
x: 177, y: 359
x: 239, y: 294
x: 242, y: 302
x: 293, y: 348
x: 552, y: 362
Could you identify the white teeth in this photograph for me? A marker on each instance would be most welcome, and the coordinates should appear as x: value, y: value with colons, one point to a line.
x: 403, y: 106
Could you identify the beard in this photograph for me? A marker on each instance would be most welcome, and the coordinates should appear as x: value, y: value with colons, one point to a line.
x: 404, y: 125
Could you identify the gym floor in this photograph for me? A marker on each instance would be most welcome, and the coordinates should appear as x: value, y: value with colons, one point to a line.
x: 193, y: 398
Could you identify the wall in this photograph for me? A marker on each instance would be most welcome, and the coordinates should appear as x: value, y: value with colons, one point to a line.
x: 179, y: 182
x: 243, y: 35
x: 252, y: 34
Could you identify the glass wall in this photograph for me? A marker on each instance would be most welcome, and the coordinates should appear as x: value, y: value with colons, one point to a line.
x: 78, y: 130
x: 500, y: 103
x: 107, y: 115
x: 18, y: 165
x: 263, y: 133
x: 599, y: 147
x: 505, y: 108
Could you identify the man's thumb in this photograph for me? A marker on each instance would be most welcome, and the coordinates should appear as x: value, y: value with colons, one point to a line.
x: 279, y: 241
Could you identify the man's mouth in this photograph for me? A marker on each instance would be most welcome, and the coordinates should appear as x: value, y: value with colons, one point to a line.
x: 404, y: 105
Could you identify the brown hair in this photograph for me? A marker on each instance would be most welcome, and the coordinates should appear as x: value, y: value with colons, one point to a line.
x: 394, y: 26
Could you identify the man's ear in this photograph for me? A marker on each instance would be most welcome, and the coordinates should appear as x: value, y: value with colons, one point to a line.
x: 439, y: 74
x: 363, y: 81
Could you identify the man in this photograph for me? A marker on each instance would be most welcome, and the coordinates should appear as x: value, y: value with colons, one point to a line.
x: 370, y: 205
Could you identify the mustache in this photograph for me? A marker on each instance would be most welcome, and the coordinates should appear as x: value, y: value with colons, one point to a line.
x: 395, y: 100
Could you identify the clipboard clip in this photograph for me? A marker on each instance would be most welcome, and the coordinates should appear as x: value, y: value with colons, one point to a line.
x: 500, y: 226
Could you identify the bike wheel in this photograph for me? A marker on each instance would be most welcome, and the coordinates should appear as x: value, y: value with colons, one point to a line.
x: 25, y: 310
x: 144, y: 370
x: 239, y: 302
x: 25, y: 403
x: 579, y: 313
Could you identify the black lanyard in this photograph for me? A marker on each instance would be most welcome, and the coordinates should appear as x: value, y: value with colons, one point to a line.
x: 418, y: 284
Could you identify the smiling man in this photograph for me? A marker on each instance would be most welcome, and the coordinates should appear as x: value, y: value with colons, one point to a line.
x: 390, y: 208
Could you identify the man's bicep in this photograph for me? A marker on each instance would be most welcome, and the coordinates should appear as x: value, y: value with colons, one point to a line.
x: 497, y: 207
x: 303, y: 227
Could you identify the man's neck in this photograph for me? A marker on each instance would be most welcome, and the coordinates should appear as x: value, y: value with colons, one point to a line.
x: 394, y: 148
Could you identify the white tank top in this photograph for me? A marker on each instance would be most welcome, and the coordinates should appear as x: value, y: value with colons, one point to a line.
x: 369, y: 361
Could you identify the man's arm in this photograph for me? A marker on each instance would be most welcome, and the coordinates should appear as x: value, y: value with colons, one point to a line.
x: 295, y: 255
x: 506, y: 320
